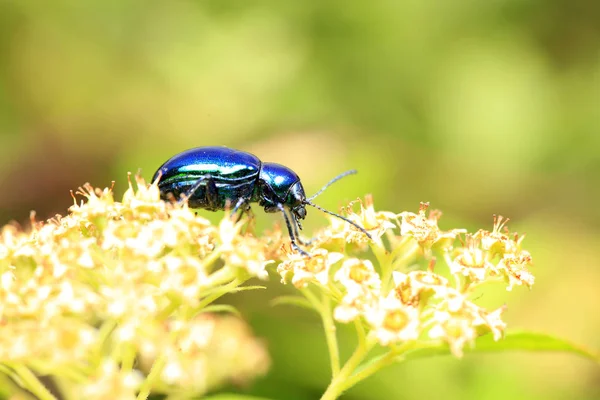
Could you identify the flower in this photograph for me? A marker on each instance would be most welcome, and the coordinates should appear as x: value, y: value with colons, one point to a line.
x: 309, y: 269
x: 455, y: 329
x: 425, y: 229
x: 496, y: 241
x: 115, y: 290
x: 416, y: 287
x: 458, y: 322
x: 110, y: 382
x: 513, y: 259
x: 376, y: 223
x: 514, y: 268
x: 470, y: 260
x: 355, y: 273
x: 418, y: 301
x: 361, y: 285
x: 207, y: 351
x: 393, y: 322
x: 248, y: 253
x: 114, y: 281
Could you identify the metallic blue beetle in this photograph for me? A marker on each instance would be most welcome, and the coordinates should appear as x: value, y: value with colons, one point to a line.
x: 215, y: 178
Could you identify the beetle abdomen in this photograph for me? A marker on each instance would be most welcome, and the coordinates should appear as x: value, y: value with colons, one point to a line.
x: 231, y: 172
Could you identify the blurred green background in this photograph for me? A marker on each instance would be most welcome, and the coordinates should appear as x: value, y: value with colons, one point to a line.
x: 479, y: 107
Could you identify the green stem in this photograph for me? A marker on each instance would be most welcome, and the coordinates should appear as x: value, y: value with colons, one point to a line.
x: 312, y: 298
x: 353, y: 373
x: 152, y: 377
x: 360, y: 332
x: 324, y: 309
x: 337, y: 385
x: 220, y: 277
x: 217, y: 278
x: 384, y: 259
x: 211, y: 258
x: 169, y: 309
x: 104, y: 333
x: 329, y: 327
x: 214, y: 296
x: 128, y: 355
x: 369, y: 370
x: 32, y: 383
x: 408, y: 253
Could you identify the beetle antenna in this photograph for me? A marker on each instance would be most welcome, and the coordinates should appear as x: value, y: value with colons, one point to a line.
x: 331, y: 182
x: 363, y: 230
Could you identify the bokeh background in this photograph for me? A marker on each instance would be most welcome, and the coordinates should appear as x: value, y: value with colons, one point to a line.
x: 479, y: 107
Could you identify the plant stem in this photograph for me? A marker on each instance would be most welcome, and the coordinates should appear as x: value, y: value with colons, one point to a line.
x: 408, y: 253
x: 360, y: 332
x: 329, y: 327
x: 128, y: 355
x: 337, y: 385
x: 32, y: 383
x: 369, y: 370
x: 212, y: 297
x: 324, y: 309
x: 106, y: 329
x: 154, y: 374
x: 384, y: 259
x: 212, y: 258
x: 349, y: 376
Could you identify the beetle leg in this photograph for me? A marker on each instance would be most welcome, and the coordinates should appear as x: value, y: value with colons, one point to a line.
x: 306, y: 242
x: 212, y: 196
x: 190, y: 192
x: 211, y: 190
x: 241, y: 201
x: 291, y: 231
x: 243, y: 206
x: 303, y: 242
x: 251, y: 225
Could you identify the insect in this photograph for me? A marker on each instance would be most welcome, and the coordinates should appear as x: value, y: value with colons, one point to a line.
x: 215, y: 178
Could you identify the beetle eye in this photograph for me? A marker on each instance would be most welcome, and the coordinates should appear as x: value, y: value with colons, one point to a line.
x: 300, y: 212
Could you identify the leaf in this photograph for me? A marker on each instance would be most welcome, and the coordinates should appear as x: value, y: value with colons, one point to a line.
x: 292, y: 300
x: 230, y: 396
x: 520, y: 341
x: 216, y: 308
x: 533, y: 341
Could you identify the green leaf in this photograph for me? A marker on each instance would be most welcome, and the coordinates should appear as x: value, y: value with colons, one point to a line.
x: 520, y: 341
x: 216, y: 308
x: 228, y: 396
x: 292, y: 300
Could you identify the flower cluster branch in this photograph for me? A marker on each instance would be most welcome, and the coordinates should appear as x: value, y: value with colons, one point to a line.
x: 115, y: 299
x: 403, y: 299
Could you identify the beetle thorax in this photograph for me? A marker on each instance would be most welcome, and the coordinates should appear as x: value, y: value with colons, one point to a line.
x: 278, y: 184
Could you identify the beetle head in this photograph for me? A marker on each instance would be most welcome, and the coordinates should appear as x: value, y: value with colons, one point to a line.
x: 296, y: 201
x: 280, y: 187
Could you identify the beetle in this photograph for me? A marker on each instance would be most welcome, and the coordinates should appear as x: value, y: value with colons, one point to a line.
x: 215, y: 178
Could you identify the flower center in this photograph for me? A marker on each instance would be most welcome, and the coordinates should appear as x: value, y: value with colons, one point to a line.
x: 359, y: 273
x: 395, y: 320
x: 315, y: 265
